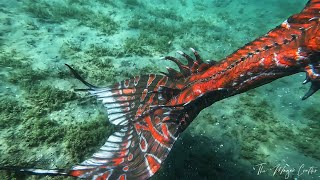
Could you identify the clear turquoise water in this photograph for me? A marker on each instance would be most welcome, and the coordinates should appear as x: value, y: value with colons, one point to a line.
x: 45, y: 124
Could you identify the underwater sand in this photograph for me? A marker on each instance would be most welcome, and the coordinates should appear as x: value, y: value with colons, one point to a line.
x: 45, y: 124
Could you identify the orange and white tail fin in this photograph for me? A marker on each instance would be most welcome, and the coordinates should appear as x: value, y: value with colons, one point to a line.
x: 148, y: 128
